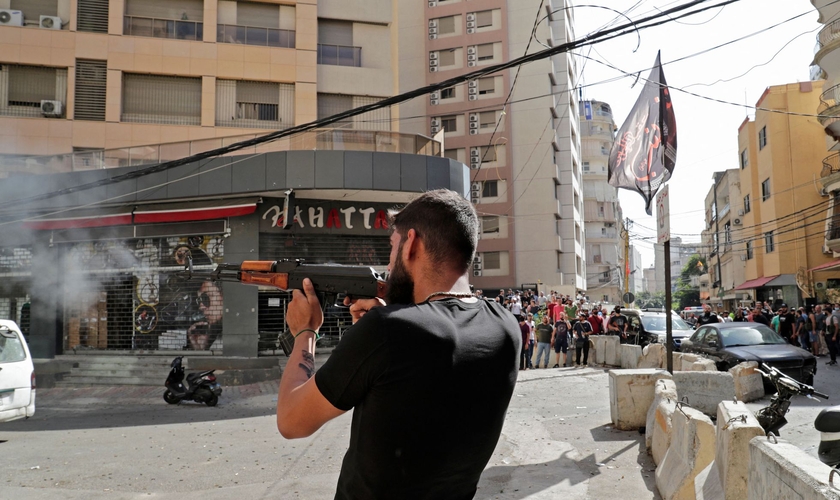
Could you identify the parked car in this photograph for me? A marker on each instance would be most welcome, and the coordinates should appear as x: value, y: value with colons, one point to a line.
x: 17, y: 374
x: 648, y: 326
x: 728, y: 344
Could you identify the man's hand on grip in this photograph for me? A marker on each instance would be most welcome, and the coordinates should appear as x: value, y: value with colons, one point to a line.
x: 304, y: 309
x: 358, y: 307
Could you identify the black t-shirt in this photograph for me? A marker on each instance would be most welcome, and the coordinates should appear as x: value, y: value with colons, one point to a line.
x: 618, y: 321
x: 786, y: 323
x: 707, y: 318
x: 429, y: 385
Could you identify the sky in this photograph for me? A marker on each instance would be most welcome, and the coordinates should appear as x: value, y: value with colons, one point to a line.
x: 707, y: 131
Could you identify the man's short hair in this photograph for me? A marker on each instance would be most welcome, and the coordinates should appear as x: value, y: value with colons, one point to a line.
x: 446, y: 223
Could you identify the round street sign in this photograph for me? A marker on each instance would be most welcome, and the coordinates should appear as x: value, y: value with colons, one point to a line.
x: 629, y: 297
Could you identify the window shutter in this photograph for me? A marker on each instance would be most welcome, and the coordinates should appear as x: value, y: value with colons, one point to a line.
x: 486, y: 85
x: 29, y: 85
x: 484, y: 18
x: 161, y: 99
x: 485, y: 51
x: 446, y: 25
x: 261, y: 15
x: 92, y: 16
x: 446, y: 58
x: 335, y: 32
x: 91, y: 84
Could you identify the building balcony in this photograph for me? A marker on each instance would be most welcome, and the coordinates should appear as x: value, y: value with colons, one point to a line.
x: 319, y: 139
x: 253, y: 35
x: 829, y: 111
x: 339, y: 55
x: 832, y: 235
x: 828, y: 34
x: 831, y: 165
x: 163, y: 28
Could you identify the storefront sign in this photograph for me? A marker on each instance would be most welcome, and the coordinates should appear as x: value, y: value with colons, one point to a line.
x: 325, y: 216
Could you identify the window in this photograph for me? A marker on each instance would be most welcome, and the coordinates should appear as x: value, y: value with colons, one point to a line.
x: 254, y: 104
x: 91, y: 79
x: 484, y: 19
x: 762, y: 137
x: 727, y: 233
x: 747, y: 204
x: 22, y: 88
x: 256, y: 23
x: 485, y: 51
x: 331, y: 104
x: 586, y: 166
x: 601, y: 211
x: 92, y: 16
x: 488, y: 154
x: 447, y: 93
x: 161, y: 99
x: 34, y: 9
x: 335, y: 44
x: 181, y: 19
x: 744, y: 159
x: 449, y: 123
x: 490, y: 189
x: 489, y: 224
x: 487, y: 86
x: 492, y: 260
x: 765, y: 189
x: 452, y: 154
x: 446, y: 25
x: 446, y: 57
x: 487, y: 119
x: 749, y: 250
x: 768, y: 242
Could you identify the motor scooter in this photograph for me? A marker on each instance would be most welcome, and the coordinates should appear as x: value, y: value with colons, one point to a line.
x: 201, y: 386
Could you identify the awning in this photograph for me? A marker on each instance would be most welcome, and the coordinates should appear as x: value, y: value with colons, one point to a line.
x: 142, y: 214
x: 756, y: 283
x: 828, y: 265
x: 783, y: 280
x: 194, y: 211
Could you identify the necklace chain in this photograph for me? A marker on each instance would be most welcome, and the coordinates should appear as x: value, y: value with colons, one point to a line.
x: 459, y: 295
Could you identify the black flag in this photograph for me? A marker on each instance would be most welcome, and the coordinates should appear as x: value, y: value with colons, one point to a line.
x: 645, y: 149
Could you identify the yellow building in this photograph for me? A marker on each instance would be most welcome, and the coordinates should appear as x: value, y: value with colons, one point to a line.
x: 782, y: 226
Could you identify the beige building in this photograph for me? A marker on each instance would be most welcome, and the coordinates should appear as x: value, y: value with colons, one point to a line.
x: 82, y: 75
x: 525, y: 160
x: 827, y: 64
x: 724, y: 218
x: 602, y: 211
x: 783, y: 227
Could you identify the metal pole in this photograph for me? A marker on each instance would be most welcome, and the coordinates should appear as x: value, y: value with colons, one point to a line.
x: 626, y: 259
x: 669, y: 338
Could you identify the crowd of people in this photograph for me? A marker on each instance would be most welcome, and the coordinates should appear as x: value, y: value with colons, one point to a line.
x: 558, y: 322
x: 814, y: 328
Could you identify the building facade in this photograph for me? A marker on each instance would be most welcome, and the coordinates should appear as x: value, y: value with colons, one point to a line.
x: 680, y: 254
x: 526, y: 169
x: 784, y: 221
x: 602, y: 211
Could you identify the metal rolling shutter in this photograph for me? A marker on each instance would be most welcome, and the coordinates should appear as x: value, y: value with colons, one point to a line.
x: 91, y: 83
x: 92, y: 16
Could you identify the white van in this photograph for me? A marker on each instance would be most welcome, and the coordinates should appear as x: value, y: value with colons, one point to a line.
x: 17, y: 374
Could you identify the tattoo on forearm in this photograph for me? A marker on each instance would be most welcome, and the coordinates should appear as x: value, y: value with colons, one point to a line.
x: 308, y: 364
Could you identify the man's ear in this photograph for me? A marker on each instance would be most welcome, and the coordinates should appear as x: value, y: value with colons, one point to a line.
x: 411, y: 246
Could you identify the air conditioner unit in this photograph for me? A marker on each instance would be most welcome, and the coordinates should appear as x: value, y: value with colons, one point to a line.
x: 477, y: 259
x: 470, y: 31
x: 473, y: 118
x: 471, y: 50
x: 50, y: 22
x: 472, y: 91
x: 471, y: 57
x: 473, y: 131
x: 432, y: 37
x: 741, y: 211
x: 473, y: 97
x: 473, y: 84
x: 476, y: 273
x: 434, y: 102
x: 475, y: 193
x: 432, y: 4
x: 433, y: 56
x: 51, y: 108
x: 470, y: 63
x: 470, y: 16
x: 475, y: 153
x: 819, y: 285
x: 736, y: 221
x: 433, y: 23
x: 470, y: 24
x: 475, y: 166
x: 474, y: 201
x: 11, y: 17
x: 477, y: 267
x: 432, y: 69
x: 436, y: 122
x: 434, y: 95
x: 475, y: 186
x: 433, y: 62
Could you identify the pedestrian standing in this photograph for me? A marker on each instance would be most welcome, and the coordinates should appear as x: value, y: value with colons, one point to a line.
x: 834, y: 330
x: 544, y: 334
x: 819, y: 320
x: 560, y: 339
x: 581, y: 331
x: 531, y: 340
x: 526, y: 335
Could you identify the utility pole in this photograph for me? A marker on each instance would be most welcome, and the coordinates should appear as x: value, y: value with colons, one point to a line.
x: 718, y: 281
x: 627, y: 224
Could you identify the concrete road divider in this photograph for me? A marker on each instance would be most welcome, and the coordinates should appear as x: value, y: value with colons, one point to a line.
x: 703, y: 365
x: 653, y: 356
x: 692, y: 450
x: 631, y: 394
x: 630, y: 355
x: 705, y: 390
x: 686, y: 360
x: 736, y: 426
x: 600, y: 349
x: 749, y: 385
x: 781, y: 470
x: 612, y: 356
x: 658, y: 424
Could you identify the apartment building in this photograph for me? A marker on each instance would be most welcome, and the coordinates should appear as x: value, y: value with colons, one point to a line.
x: 827, y: 65
x: 725, y: 212
x: 525, y: 178
x: 784, y: 223
x: 680, y: 254
x: 93, y: 89
x: 602, y: 211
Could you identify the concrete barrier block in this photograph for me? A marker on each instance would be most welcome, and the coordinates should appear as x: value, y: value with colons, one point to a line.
x: 780, y: 470
x: 653, y: 356
x: 703, y: 365
x: 630, y: 355
x: 662, y: 429
x: 705, y: 390
x: 707, y: 484
x: 631, y: 394
x: 736, y: 426
x: 686, y: 360
x: 692, y: 450
x: 749, y: 385
x: 664, y: 392
x: 600, y: 345
x: 611, y: 354
x: 677, y: 360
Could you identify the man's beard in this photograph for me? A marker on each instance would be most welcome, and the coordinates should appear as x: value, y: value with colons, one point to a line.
x: 400, y: 289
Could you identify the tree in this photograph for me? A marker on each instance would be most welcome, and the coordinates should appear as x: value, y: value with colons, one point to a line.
x: 648, y: 300
x: 686, y: 294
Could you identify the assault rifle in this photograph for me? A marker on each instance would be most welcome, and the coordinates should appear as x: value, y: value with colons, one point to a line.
x: 330, y: 280
x: 772, y: 418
